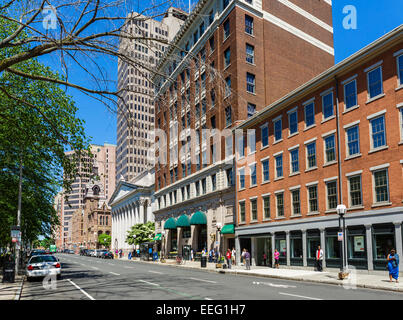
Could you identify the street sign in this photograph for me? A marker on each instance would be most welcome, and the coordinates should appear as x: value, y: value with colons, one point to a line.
x: 340, y: 236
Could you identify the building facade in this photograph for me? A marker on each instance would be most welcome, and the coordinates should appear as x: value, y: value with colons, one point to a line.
x: 135, y: 116
x: 229, y: 60
x: 337, y: 139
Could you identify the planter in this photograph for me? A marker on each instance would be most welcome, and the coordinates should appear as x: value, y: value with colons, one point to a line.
x: 343, y: 275
x: 218, y: 265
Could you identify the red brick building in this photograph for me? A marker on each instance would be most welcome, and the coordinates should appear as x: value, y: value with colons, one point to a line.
x: 337, y: 139
x: 229, y: 60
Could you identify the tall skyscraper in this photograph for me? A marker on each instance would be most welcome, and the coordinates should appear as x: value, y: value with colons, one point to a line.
x: 135, y: 118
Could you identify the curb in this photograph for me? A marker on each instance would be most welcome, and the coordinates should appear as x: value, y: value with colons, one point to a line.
x: 243, y: 273
x: 18, y: 294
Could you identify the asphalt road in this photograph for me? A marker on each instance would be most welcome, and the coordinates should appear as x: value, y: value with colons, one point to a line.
x: 88, y: 278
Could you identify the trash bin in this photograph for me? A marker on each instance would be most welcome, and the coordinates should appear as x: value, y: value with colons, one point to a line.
x: 9, y: 272
x: 203, y: 262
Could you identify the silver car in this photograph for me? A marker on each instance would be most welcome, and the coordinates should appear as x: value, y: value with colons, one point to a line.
x: 42, y: 265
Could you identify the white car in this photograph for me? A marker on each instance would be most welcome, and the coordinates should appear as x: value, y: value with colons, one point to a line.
x: 42, y: 265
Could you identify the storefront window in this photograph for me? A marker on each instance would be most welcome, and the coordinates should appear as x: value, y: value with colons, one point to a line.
x: 356, y: 248
x: 383, y: 242
x: 174, y: 240
x: 333, y: 247
x: 186, y: 232
x: 296, y: 249
x: 281, y: 246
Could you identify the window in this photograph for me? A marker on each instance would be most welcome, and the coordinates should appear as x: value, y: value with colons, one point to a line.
x: 253, y: 179
x: 313, y: 198
x: 241, y: 147
x: 265, y: 134
x: 280, y: 204
x: 204, y: 186
x: 212, y: 44
x: 327, y: 105
x: 279, y: 166
x: 211, y: 17
x: 197, y: 185
x: 309, y: 115
x: 378, y: 135
x: 212, y: 96
x: 331, y: 195
x: 250, y: 82
x: 265, y: 170
x: 293, y: 122
x: 227, y: 57
x: 201, y: 29
x: 375, y: 87
x: 253, y: 209
x: 251, y: 141
x: 294, y: 157
x: 250, y: 53
x: 400, y: 69
x: 355, y: 191
x: 242, y: 178
x: 353, y: 141
x: 401, y: 123
x: 248, y: 25
x: 226, y: 29
x: 228, y: 118
x: 296, y: 203
x: 278, y: 130
x: 311, y: 155
x: 227, y: 87
x: 266, y: 207
x: 214, y: 182
x: 251, y: 109
x: 242, y: 212
x: 350, y: 94
x: 230, y: 178
x: 330, y: 149
x: 195, y: 37
x: 381, y: 186
x: 225, y: 3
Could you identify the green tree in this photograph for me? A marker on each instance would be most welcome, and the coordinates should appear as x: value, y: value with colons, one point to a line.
x: 140, y: 233
x: 105, y: 240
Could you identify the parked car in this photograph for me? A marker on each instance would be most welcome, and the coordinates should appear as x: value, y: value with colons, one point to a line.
x: 100, y: 253
x: 36, y: 252
x: 107, y: 255
x: 42, y: 265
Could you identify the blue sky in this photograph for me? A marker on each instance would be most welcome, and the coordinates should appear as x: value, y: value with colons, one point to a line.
x: 374, y: 19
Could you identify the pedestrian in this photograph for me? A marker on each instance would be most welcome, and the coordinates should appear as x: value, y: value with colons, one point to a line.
x: 233, y: 255
x: 229, y: 257
x: 247, y: 260
x: 393, y: 265
x: 243, y: 256
x: 120, y: 253
x: 319, y: 259
x: 264, y: 258
x: 276, y: 258
x: 191, y: 255
x: 210, y: 255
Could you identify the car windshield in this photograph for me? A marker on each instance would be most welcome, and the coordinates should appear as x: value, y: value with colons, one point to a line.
x: 39, y: 259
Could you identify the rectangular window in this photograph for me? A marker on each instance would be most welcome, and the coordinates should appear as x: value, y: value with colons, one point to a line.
x: 309, y: 115
x: 353, y: 141
x: 311, y: 155
x: 296, y: 203
x: 280, y: 204
x: 253, y: 178
x: 278, y: 130
x: 211, y: 17
x: 381, y: 186
x: 241, y: 178
x: 248, y: 24
x: 251, y: 109
x: 266, y: 207
x: 331, y: 195
x: 279, y: 166
x: 225, y: 3
x: 378, y: 132
x: 250, y: 82
x: 197, y: 188
x: 294, y: 156
x: 227, y: 57
x: 250, y: 53
x: 228, y: 116
x: 327, y: 105
x: 201, y: 29
x: 214, y: 182
x: 330, y: 148
x: 265, y: 168
x: 226, y: 29
x: 293, y: 122
x: 227, y: 86
x: 212, y: 44
x: 375, y: 87
x: 400, y: 69
x: 242, y: 211
x: 241, y: 147
x: 355, y: 191
x: 313, y: 198
x: 253, y: 209
x: 230, y: 178
x: 350, y: 94
x: 251, y: 141
x: 265, y: 134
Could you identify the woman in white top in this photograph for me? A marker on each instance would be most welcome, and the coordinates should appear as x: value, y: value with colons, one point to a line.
x: 233, y: 253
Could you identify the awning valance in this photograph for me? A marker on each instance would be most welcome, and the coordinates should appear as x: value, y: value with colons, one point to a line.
x: 198, y: 218
x: 228, y: 229
x: 183, y: 221
x: 170, y: 224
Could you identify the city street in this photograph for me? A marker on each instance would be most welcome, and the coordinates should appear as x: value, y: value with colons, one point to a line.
x: 85, y: 278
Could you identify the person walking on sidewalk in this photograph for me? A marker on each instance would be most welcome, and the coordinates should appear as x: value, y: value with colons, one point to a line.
x: 233, y: 255
x: 319, y: 259
x: 276, y: 258
x: 191, y: 255
x: 393, y: 265
x: 264, y: 258
x: 243, y: 256
x: 229, y: 257
x: 247, y: 260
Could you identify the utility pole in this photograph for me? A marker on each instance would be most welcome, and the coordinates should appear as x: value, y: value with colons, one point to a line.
x: 18, y: 244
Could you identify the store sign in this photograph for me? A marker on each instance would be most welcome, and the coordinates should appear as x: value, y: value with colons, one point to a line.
x: 359, y: 244
x: 340, y: 236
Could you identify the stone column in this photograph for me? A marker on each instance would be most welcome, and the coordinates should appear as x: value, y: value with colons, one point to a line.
x: 238, y: 250
x: 323, y: 245
x: 368, y: 236
x: 178, y: 240
x: 253, y: 249
x: 141, y: 212
x: 273, y: 247
x: 288, y: 253
x: 304, y: 247
x: 398, y: 237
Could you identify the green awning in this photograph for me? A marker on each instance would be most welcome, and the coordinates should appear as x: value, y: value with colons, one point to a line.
x: 170, y: 224
x: 198, y: 218
x: 183, y: 221
x: 157, y: 236
x: 228, y: 229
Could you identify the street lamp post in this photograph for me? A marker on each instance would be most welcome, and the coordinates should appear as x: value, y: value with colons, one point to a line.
x: 341, y: 211
x: 219, y: 226
x: 163, y: 244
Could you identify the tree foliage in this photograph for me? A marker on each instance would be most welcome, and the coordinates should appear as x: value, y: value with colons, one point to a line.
x: 105, y: 240
x: 144, y: 232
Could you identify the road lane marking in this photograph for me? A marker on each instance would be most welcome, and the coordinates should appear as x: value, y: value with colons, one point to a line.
x: 128, y: 267
x: 274, y: 285
x: 150, y: 283
x: 91, y: 298
x: 203, y: 280
x: 295, y: 295
x: 95, y: 268
x: 111, y: 264
x: 116, y: 274
x: 155, y: 272
x: 208, y: 299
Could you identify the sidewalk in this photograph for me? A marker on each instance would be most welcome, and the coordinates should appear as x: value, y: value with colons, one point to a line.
x: 355, y: 280
x: 11, y: 291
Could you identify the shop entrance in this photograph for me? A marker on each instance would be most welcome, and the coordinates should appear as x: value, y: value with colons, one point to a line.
x: 263, y: 246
